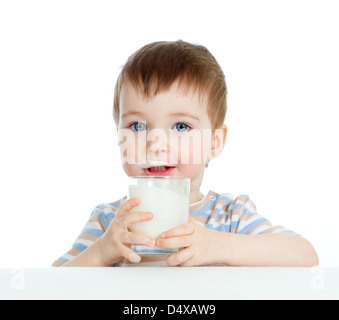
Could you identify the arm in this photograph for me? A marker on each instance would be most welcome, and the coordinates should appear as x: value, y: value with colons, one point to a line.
x: 267, y: 250
x: 114, y: 244
x: 88, y: 258
x: 203, y: 246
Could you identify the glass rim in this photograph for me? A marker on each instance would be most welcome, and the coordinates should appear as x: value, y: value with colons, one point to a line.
x: 158, y: 177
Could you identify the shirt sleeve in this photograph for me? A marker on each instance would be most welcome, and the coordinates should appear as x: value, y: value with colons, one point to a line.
x: 246, y: 220
x: 95, y: 227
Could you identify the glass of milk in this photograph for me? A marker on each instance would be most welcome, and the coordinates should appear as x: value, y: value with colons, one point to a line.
x: 167, y: 198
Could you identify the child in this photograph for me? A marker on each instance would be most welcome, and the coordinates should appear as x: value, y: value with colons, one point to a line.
x: 167, y: 94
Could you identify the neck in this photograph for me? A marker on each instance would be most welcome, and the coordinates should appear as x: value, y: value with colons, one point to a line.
x: 195, y: 196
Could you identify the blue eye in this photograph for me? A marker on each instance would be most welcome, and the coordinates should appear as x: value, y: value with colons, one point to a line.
x: 138, y: 126
x: 182, y: 127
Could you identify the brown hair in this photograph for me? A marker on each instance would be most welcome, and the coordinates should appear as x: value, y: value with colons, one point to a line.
x: 156, y: 66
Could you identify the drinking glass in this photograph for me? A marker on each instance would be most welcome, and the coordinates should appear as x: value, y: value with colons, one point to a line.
x: 167, y: 198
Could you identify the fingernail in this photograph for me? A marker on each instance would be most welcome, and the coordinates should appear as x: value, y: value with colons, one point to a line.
x: 150, y: 216
x: 151, y: 243
x: 163, y: 236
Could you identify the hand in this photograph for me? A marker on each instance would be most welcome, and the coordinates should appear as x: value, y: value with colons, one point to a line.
x: 200, y: 245
x: 115, y: 243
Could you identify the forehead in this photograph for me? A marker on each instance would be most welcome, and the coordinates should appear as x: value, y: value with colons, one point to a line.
x: 177, y: 99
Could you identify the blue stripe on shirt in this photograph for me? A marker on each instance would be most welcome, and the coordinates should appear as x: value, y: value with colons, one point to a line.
x: 103, y: 218
x: 93, y: 232
x: 237, y: 206
x: 251, y: 225
x: 218, y: 228
x: 79, y: 246
x: 204, y: 211
x: 226, y: 199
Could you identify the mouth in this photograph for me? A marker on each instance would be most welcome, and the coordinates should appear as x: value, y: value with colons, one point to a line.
x: 158, y: 171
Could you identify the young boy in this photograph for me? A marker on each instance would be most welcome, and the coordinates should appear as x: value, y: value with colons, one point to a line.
x: 169, y: 94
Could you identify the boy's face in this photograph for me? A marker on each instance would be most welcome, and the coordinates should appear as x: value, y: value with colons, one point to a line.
x: 168, y: 134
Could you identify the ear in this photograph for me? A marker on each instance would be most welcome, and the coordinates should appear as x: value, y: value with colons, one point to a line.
x: 218, y: 141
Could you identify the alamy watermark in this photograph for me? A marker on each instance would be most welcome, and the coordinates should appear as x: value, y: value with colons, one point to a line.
x: 17, y: 281
x: 192, y: 147
x: 318, y: 279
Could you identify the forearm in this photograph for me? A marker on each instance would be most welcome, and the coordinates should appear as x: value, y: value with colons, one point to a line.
x: 267, y: 250
x: 88, y: 258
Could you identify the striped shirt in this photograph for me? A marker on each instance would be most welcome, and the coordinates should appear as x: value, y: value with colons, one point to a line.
x: 219, y: 212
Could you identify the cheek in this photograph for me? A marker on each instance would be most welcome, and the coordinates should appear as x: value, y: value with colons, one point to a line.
x: 126, y: 146
x: 132, y: 170
x: 191, y: 170
x: 127, y: 154
x: 131, y: 147
x: 193, y: 149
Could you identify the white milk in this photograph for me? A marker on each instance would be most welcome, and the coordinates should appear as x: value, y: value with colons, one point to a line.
x: 170, y: 208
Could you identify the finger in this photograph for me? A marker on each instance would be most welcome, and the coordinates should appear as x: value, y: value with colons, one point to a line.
x: 186, y: 228
x: 175, y: 242
x: 129, y: 254
x: 127, y: 206
x: 137, y: 238
x: 135, y: 217
x: 180, y: 257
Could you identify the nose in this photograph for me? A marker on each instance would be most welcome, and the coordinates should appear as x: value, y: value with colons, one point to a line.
x: 157, y: 143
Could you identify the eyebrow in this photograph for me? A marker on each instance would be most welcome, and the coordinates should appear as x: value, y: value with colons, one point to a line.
x: 176, y: 114
x: 132, y: 113
x: 182, y: 114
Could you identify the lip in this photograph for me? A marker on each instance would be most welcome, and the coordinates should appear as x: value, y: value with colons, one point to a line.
x: 159, y: 173
x: 151, y: 163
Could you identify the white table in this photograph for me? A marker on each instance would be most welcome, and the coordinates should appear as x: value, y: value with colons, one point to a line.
x: 149, y: 283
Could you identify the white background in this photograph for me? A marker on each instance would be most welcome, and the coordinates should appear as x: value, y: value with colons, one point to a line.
x: 58, y: 147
